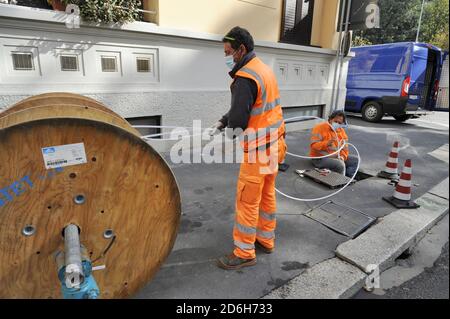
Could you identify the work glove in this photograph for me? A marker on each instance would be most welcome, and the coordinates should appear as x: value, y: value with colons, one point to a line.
x: 216, y: 128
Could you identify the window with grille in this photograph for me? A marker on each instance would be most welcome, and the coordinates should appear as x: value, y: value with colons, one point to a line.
x: 143, y: 65
x: 297, y: 22
x: 109, y: 64
x: 69, y: 62
x: 22, y: 61
x: 294, y: 111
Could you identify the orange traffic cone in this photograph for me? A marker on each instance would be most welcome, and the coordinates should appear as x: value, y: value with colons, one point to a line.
x: 391, y: 169
x: 402, y: 193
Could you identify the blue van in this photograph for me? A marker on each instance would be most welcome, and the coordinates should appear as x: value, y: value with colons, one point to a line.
x: 397, y: 79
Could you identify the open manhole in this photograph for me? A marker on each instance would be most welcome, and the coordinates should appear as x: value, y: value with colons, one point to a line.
x: 360, y: 176
x: 341, y: 218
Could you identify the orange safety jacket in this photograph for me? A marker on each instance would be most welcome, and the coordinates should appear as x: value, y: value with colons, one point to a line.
x: 266, y: 123
x: 321, y: 134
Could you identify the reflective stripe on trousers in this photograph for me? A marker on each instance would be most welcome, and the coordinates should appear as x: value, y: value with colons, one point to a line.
x: 255, y: 209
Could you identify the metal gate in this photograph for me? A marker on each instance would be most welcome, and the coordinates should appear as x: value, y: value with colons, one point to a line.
x: 425, y: 94
x: 442, y: 100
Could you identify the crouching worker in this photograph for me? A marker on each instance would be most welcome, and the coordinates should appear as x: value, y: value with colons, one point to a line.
x: 256, y: 111
x: 327, y: 138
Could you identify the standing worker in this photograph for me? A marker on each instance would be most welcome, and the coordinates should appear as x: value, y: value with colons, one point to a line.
x: 327, y: 138
x: 255, y: 109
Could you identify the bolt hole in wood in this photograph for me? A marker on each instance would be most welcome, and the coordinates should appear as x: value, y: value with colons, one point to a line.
x: 79, y: 199
x: 102, y: 212
x: 28, y: 230
x: 49, y: 207
x: 38, y: 253
x: 157, y: 186
x: 73, y: 175
x: 94, y: 159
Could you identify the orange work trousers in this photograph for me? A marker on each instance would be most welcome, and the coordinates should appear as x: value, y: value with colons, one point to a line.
x: 256, y: 202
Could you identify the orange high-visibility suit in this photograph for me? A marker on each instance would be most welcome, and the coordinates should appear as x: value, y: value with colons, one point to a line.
x: 321, y: 134
x: 263, y: 139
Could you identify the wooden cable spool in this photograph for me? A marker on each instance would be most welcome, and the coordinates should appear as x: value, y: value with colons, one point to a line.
x: 126, y: 187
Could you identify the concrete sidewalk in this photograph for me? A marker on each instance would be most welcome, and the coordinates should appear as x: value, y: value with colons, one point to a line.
x: 208, y: 193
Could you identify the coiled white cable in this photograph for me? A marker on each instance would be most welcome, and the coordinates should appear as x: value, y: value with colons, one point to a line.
x: 330, y: 195
x: 344, y: 143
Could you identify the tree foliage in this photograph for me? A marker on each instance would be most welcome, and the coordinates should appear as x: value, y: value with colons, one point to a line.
x: 400, y: 19
x: 435, y: 24
x: 360, y: 41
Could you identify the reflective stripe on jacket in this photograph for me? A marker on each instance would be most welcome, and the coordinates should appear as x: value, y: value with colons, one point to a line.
x: 266, y: 123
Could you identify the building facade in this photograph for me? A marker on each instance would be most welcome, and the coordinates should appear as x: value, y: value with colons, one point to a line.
x: 169, y: 70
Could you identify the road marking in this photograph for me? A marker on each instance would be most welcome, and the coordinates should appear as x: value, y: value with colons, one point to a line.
x: 433, y: 123
x: 441, y: 153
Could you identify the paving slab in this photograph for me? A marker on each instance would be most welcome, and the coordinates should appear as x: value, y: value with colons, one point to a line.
x: 331, y: 279
x: 395, y: 233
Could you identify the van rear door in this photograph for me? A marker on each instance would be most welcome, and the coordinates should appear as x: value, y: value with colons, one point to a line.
x: 425, y: 71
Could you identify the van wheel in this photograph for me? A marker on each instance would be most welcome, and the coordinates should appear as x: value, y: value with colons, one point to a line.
x: 372, y: 112
x: 402, y: 118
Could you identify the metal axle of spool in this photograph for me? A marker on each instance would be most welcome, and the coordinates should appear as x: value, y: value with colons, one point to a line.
x: 75, y: 268
x: 74, y: 275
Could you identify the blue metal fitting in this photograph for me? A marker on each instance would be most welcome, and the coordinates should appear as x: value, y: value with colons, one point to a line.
x: 87, y: 290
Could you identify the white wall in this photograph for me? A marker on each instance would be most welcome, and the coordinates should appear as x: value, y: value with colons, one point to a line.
x: 189, y: 80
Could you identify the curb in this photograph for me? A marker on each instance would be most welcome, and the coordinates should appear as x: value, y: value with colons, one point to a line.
x: 376, y: 249
x: 380, y: 245
x: 330, y: 279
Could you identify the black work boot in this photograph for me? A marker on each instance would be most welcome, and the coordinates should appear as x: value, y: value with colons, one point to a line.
x: 265, y: 249
x: 233, y: 262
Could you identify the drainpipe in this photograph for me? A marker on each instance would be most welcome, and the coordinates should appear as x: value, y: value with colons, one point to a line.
x: 341, y: 62
x: 338, y: 54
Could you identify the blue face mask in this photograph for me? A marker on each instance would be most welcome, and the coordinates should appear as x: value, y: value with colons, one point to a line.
x: 229, y: 61
x: 337, y: 125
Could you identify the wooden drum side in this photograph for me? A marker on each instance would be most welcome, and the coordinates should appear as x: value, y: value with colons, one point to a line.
x: 126, y: 186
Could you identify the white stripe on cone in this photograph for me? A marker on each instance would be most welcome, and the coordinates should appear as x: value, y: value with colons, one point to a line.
x: 390, y: 170
x: 402, y: 196
x: 405, y: 183
x: 407, y: 170
x: 393, y: 160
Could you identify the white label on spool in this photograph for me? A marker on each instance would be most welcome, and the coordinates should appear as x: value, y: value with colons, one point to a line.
x: 64, y: 155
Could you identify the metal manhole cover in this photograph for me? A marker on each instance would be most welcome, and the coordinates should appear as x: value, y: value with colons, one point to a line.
x: 341, y: 218
x: 332, y: 179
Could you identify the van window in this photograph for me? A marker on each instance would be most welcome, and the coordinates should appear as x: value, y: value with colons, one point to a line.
x: 381, y: 60
x: 387, y: 63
